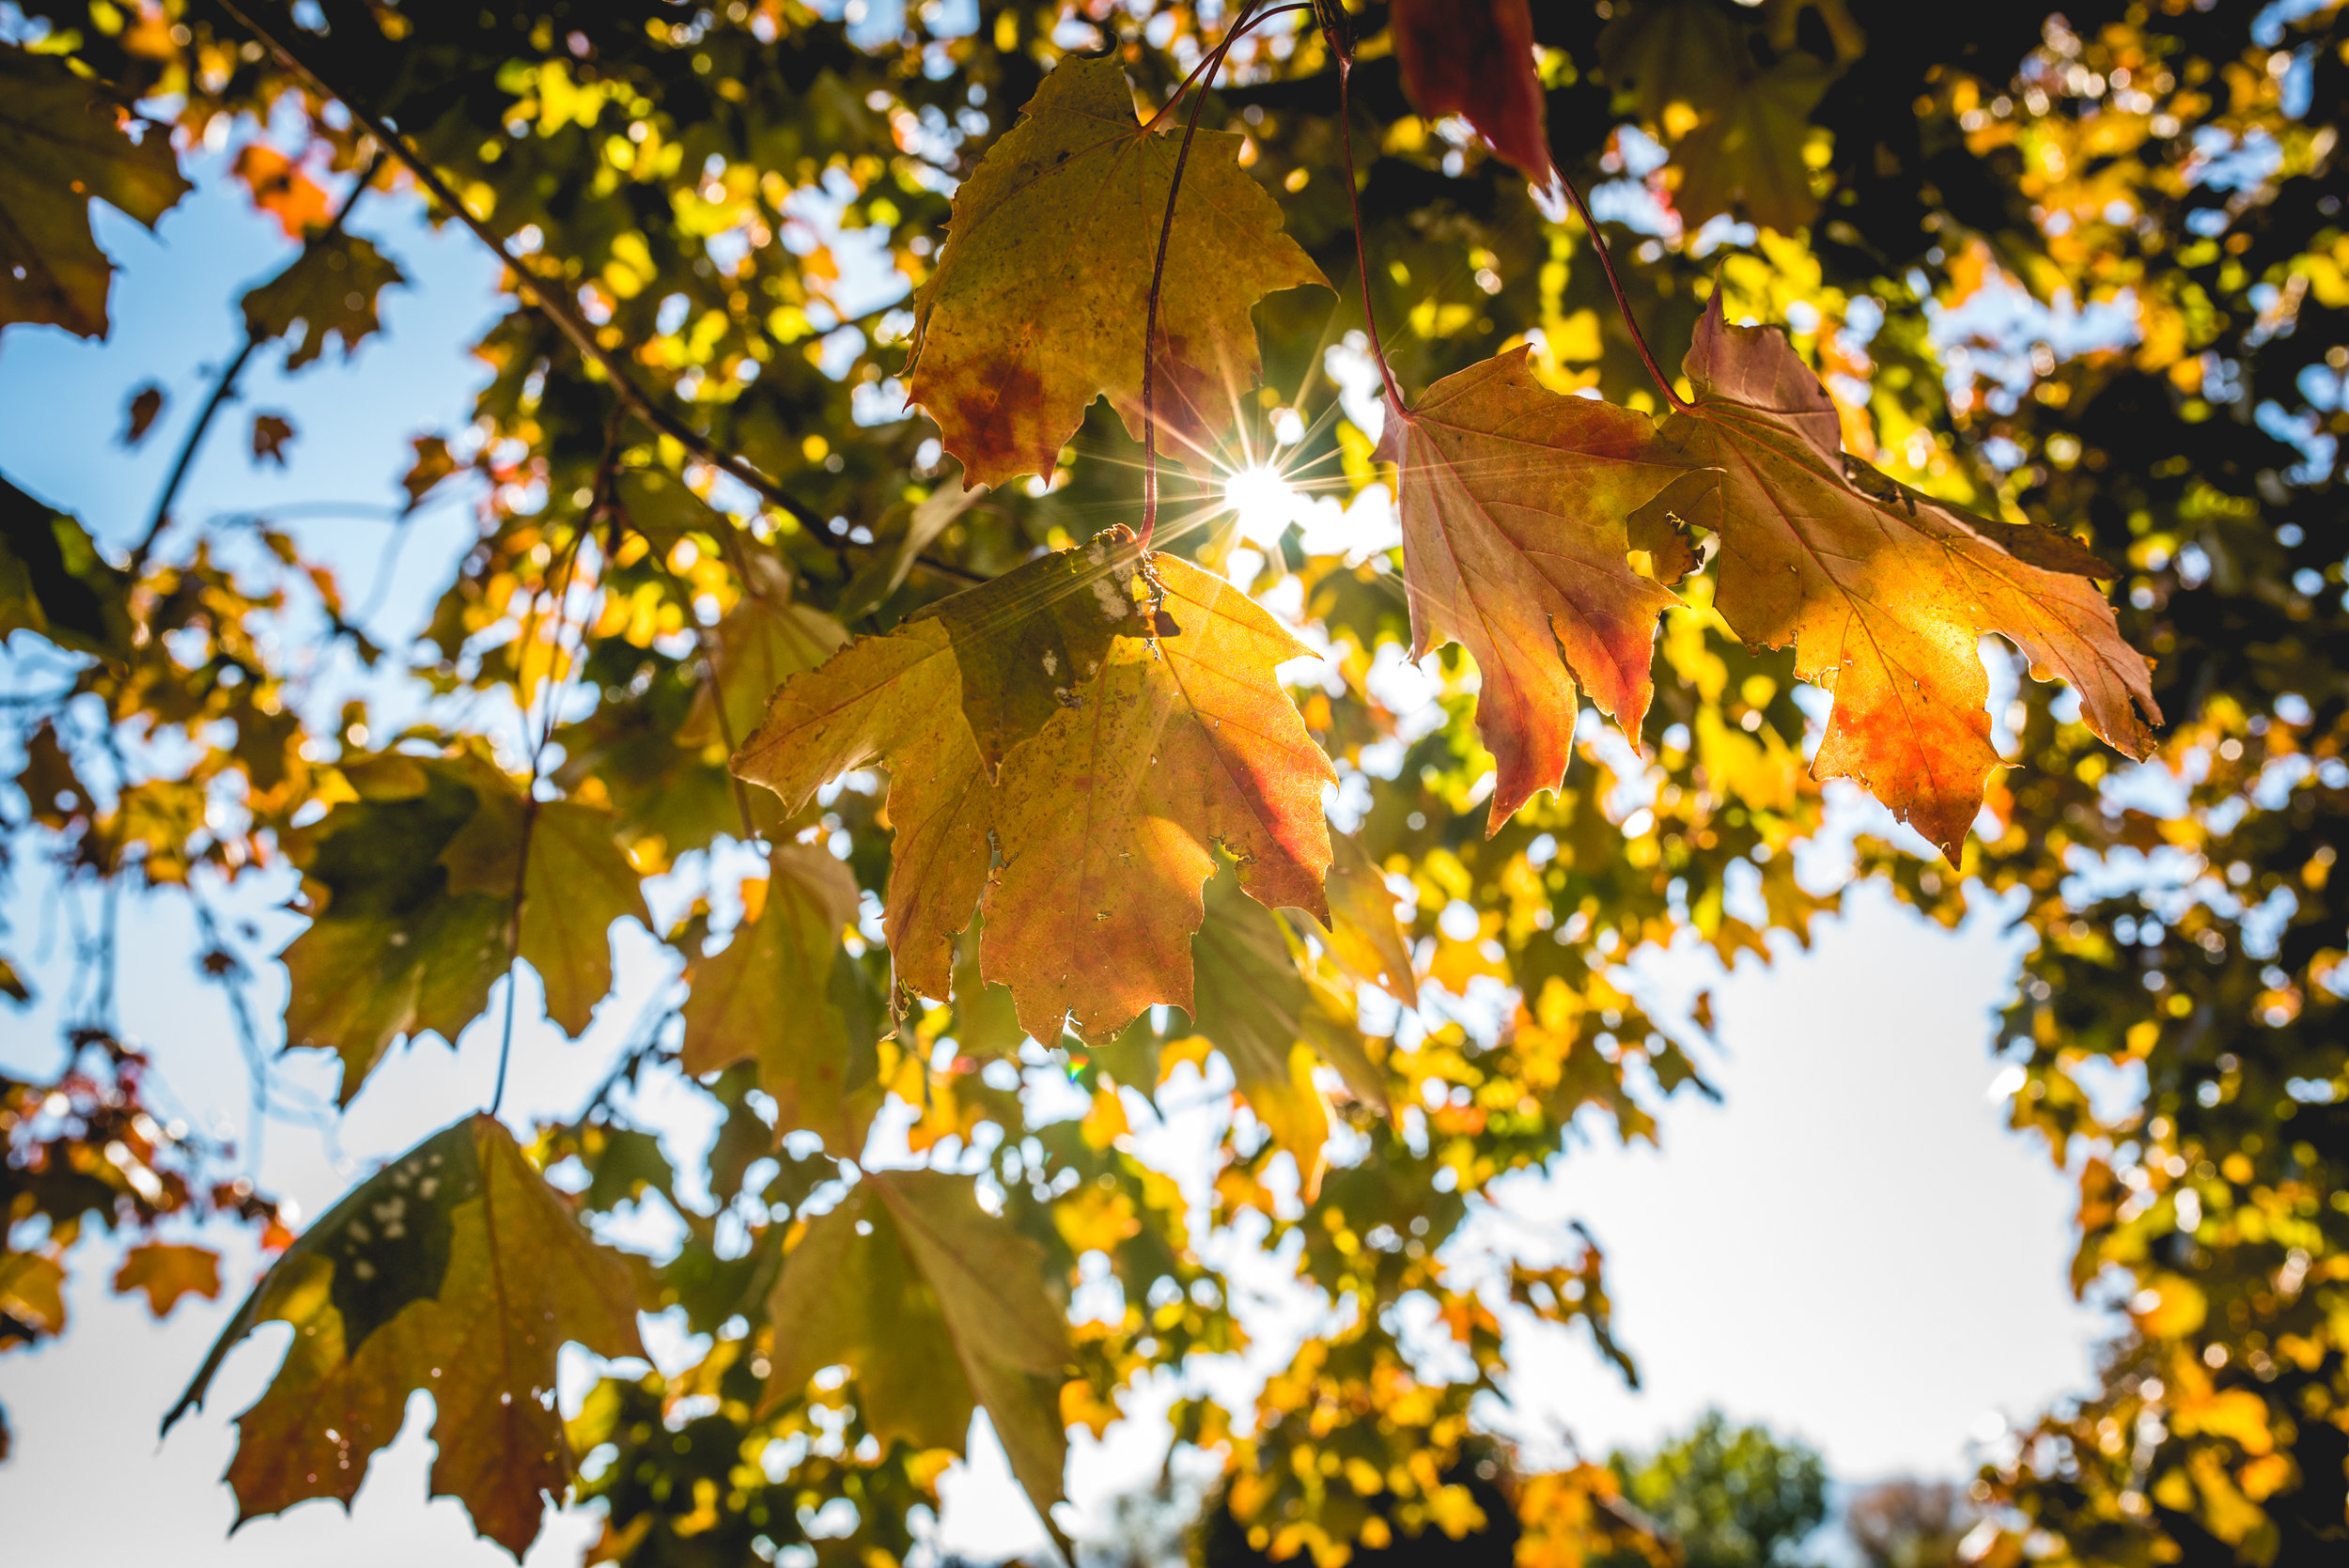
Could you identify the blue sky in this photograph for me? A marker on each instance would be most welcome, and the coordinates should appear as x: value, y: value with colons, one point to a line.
x: 1852, y: 1248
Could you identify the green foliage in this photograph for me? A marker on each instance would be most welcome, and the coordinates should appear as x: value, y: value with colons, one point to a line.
x: 1732, y: 1497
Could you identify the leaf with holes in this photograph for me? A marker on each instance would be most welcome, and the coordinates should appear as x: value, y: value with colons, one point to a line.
x: 1884, y: 592
x: 1068, y: 743
x: 1039, y: 299
x: 454, y: 1271
x: 1515, y: 502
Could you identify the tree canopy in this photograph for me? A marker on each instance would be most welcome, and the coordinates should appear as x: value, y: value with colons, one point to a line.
x: 870, y: 400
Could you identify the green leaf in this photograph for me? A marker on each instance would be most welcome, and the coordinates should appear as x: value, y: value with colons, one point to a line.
x: 766, y: 996
x: 936, y: 1306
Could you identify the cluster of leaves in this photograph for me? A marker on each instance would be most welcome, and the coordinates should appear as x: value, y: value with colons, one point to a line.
x: 1102, y: 854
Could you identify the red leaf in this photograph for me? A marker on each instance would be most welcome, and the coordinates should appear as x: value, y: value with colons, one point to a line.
x: 1476, y: 60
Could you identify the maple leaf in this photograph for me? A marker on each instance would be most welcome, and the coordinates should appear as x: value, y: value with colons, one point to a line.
x: 1883, y: 592
x: 938, y: 1307
x: 764, y: 641
x: 1736, y: 129
x: 63, y: 140
x: 1513, y: 504
x: 413, y: 885
x: 1475, y: 58
x: 389, y: 951
x: 1119, y: 716
x: 1363, y: 935
x: 281, y: 189
x: 1040, y: 294
x: 329, y: 290
x: 455, y: 1271
x: 272, y: 434
x: 139, y: 415
x: 167, y: 1272
x: 32, y: 1290
x: 766, y: 996
x: 577, y: 881
x: 1273, y: 1019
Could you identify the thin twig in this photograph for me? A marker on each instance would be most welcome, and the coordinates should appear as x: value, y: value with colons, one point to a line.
x: 542, y: 296
x: 226, y: 387
x: 1158, y: 279
x: 547, y: 298
x: 1354, y: 204
x: 1623, y: 304
x: 539, y: 750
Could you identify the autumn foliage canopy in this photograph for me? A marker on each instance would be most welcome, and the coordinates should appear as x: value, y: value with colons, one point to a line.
x: 1084, y: 556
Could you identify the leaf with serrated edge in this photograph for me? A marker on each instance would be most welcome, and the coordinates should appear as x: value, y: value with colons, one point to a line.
x: 938, y: 1307
x: 1363, y: 935
x: 1138, y: 722
x: 166, y: 1272
x: 1513, y: 503
x: 391, y: 949
x: 1884, y: 594
x: 62, y: 141
x: 1040, y: 295
x: 455, y: 1270
x: 331, y: 288
x: 763, y: 997
x: 1272, y: 1018
x: 577, y: 883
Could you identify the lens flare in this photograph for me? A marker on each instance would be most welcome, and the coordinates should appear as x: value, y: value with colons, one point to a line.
x: 1265, y: 502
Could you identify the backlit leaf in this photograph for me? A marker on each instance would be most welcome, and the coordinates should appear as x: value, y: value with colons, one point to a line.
x: 63, y: 140
x: 938, y: 1307
x: 577, y: 883
x: 1475, y: 58
x: 281, y: 189
x: 1040, y: 297
x: 1131, y: 711
x: 329, y: 290
x: 766, y: 996
x: 1883, y: 593
x: 392, y: 949
x: 1273, y: 1019
x: 166, y: 1272
x: 53, y: 581
x: 1513, y: 501
x: 456, y: 1271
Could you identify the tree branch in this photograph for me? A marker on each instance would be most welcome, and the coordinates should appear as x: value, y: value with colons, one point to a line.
x: 552, y: 303
x: 227, y: 385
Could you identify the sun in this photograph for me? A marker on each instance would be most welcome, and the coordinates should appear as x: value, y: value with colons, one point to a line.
x: 1265, y: 502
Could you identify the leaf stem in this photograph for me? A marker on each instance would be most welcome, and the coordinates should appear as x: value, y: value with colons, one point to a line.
x: 1622, y: 304
x: 1354, y: 205
x: 1209, y: 60
x: 1158, y: 275
x: 226, y: 387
